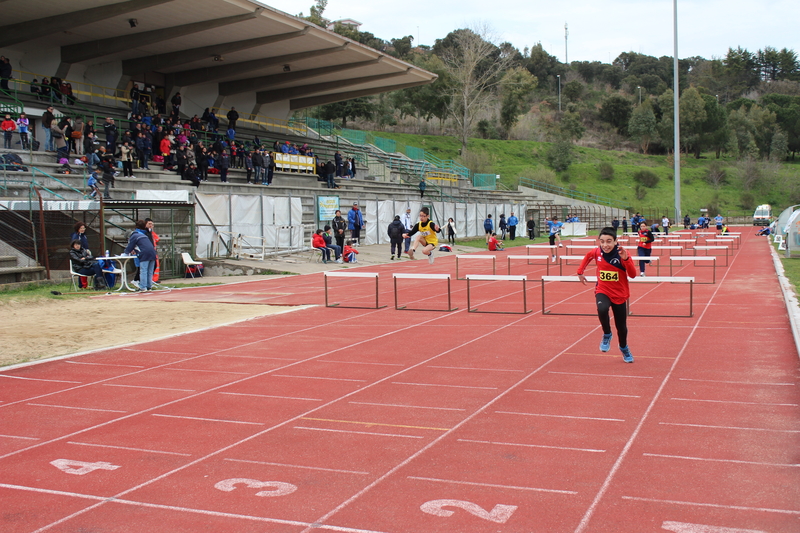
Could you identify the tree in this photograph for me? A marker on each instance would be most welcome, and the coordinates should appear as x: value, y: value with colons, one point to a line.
x: 425, y: 101
x: 475, y: 66
x: 573, y: 91
x: 616, y: 110
x: 666, y: 124
x: 402, y: 47
x: 515, y: 87
x: 642, y: 126
x: 693, y: 115
x: 315, y: 13
x: 357, y: 107
x: 570, y: 126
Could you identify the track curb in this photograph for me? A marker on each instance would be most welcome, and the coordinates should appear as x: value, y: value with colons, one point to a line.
x: 789, y: 298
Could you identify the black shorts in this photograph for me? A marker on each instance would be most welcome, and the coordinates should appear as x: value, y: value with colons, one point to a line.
x: 553, y: 239
x: 488, y: 231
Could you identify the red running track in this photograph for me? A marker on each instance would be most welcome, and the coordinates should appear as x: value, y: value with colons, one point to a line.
x: 340, y: 419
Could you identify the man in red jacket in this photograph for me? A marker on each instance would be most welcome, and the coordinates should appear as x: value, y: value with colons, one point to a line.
x: 614, y: 267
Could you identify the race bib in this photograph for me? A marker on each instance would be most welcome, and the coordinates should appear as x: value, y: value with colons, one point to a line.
x: 609, y: 275
x: 642, y: 239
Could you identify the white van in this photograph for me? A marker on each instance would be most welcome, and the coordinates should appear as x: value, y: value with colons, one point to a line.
x: 762, y: 215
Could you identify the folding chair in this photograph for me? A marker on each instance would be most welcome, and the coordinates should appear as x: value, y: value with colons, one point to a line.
x: 189, y: 262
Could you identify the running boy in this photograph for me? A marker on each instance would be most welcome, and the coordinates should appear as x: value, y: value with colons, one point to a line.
x: 427, y: 235
x: 614, y: 267
x: 554, y: 228
x: 645, y: 247
x: 94, y: 183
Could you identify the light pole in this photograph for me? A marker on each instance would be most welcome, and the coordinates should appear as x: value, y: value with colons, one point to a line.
x: 640, y: 94
x: 559, y: 92
x: 676, y: 117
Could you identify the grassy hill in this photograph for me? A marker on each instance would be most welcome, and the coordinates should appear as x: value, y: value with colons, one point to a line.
x: 778, y: 184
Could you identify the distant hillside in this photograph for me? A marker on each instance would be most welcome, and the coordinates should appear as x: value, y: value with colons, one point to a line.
x: 744, y: 185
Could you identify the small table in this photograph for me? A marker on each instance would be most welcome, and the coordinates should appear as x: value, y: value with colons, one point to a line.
x: 123, y: 263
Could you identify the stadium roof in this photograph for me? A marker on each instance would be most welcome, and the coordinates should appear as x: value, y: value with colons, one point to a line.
x: 242, y: 45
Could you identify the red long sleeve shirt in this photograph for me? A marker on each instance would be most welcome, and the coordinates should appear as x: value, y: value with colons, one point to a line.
x: 612, y: 278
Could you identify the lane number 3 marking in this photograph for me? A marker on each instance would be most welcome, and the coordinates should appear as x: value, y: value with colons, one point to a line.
x: 278, y: 487
x: 500, y: 514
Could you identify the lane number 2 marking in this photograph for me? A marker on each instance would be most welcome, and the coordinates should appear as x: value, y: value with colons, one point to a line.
x: 500, y: 514
x: 682, y: 527
x: 80, y: 468
x: 278, y: 487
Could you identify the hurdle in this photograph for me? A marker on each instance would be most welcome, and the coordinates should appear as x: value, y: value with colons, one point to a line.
x: 580, y: 247
x: 478, y: 277
x: 712, y: 258
x: 470, y: 256
x: 539, y: 247
x: 651, y: 258
x: 659, y: 247
x: 346, y: 274
x: 584, y: 240
x: 397, y: 276
x: 564, y: 258
x: 546, y: 259
x: 721, y: 241
x: 666, y: 279
x: 593, y: 279
x: 727, y: 249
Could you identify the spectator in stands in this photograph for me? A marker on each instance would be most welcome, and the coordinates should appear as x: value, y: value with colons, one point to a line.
x: 47, y: 122
x: 532, y: 228
x: 8, y: 126
x: 58, y: 132
x: 352, y: 167
x: 258, y: 167
x: 330, y: 169
x: 92, y: 159
x: 126, y: 156
x: 202, y: 164
x: 94, y: 183
x: 338, y: 224
x: 450, y: 230
x: 191, y: 173
x: 223, y: 164
x: 69, y: 96
x: 108, y: 164
x: 35, y: 89
x: 248, y: 165
x: 349, y: 253
x: 76, y: 137
x: 348, y: 173
x: 512, y: 226
x: 5, y: 73
x: 140, y: 243
x: 44, y: 90
x: 166, y: 149
x: 23, y: 124
x: 338, y: 160
x: 181, y: 159
x: 395, y: 232
x: 354, y: 223
x: 79, y: 234
x: 110, y: 130
x: 55, y: 90
x: 337, y: 250
x: 269, y: 161
x: 176, y: 104
x: 317, y: 241
x: 231, y: 134
x: 422, y: 186
x: 233, y: 116
x: 85, y: 265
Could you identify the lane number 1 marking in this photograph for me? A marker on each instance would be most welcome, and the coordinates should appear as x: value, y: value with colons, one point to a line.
x: 278, y: 487
x: 682, y: 527
x: 80, y: 468
x: 500, y: 514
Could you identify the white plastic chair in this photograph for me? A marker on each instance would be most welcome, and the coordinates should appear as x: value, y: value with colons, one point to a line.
x: 189, y: 262
x: 74, y: 275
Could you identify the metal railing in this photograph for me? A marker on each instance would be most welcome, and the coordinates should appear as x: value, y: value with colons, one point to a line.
x: 568, y: 193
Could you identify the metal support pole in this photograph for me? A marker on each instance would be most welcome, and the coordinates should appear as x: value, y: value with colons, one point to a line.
x: 676, y: 114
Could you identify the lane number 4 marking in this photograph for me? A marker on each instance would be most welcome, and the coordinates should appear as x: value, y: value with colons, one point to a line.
x: 80, y: 468
x: 500, y: 514
x: 681, y: 527
x: 278, y: 487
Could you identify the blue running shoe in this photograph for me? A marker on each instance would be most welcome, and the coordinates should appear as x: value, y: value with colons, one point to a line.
x: 605, y: 344
x: 627, y: 356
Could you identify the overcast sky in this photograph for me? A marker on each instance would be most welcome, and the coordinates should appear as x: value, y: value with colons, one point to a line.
x: 599, y: 30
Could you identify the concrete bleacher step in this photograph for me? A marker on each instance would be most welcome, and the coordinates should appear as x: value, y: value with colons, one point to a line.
x: 8, y: 261
x: 19, y: 274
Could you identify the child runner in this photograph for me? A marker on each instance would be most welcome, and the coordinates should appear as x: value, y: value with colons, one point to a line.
x: 554, y: 226
x: 718, y: 221
x: 427, y: 235
x: 614, y: 267
x: 645, y: 247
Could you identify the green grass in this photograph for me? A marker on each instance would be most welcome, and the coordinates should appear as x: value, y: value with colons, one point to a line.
x: 45, y: 291
x: 791, y: 267
x: 480, y: 242
x: 512, y: 159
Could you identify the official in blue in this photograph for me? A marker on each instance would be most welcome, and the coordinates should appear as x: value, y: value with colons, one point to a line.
x: 512, y: 226
x: 354, y: 223
x: 140, y: 243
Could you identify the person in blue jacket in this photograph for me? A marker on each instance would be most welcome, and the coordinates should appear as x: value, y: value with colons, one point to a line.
x: 512, y: 226
x: 146, y: 253
x: 488, y: 226
x: 354, y: 223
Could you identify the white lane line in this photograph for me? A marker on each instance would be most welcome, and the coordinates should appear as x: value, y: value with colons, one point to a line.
x: 735, y: 402
x: 585, y: 393
x: 439, y: 385
x: 599, y: 375
x: 736, y: 461
x: 17, y: 437
x: 317, y: 377
x: 256, y: 357
x: 590, y: 450
x: 127, y: 448
x: 38, y: 379
x: 471, y: 368
x: 562, y: 416
x: 299, y: 466
x: 408, y: 406
x: 207, y: 371
x: 146, y: 387
x: 157, y: 351
x: 738, y: 382
x: 79, y: 408
x: 102, y: 364
x: 210, y: 419
x: 470, y: 483
x: 205, y: 512
x: 714, y: 505
x: 272, y: 396
x: 362, y: 363
x: 359, y: 432
x: 730, y: 427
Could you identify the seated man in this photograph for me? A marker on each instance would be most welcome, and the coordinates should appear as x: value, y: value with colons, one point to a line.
x: 494, y: 244
x: 337, y: 250
x: 83, y: 264
x: 764, y: 231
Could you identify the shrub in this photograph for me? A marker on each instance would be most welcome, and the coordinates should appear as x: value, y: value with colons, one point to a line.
x: 559, y: 155
x: 542, y: 175
x: 747, y: 200
x: 716, y: 175
x: 646, y: 178
x: 606, y: 170
x: 640, y: 191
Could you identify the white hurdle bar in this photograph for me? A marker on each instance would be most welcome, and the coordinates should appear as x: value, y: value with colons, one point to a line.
x: 659, y: 247
x: 397, y: 276
x: 479, y: 277
x: 546, y: 259
x: 706, y: 249
x: 470, y: 256
x: 719, y: 241
x: 693, y: 258
x: 593, y: 279
x: 347, y: 274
